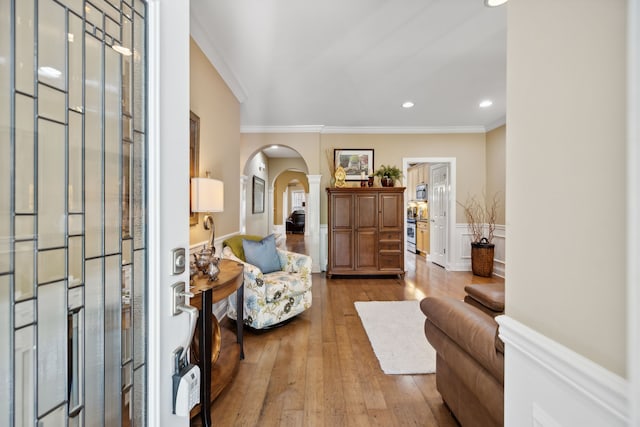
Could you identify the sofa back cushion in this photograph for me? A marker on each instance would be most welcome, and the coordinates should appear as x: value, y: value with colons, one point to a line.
x: 235, y: 244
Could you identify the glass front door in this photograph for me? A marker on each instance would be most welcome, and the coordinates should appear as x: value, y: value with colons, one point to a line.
x: 73, y: 144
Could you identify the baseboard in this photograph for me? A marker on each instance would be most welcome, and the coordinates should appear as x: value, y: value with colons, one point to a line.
x: 548, y: 385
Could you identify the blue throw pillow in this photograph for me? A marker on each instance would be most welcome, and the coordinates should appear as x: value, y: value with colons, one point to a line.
x: 262, y: 254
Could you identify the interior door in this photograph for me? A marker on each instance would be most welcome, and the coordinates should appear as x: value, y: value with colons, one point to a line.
x: 73, y: 213
x: 438, y: 211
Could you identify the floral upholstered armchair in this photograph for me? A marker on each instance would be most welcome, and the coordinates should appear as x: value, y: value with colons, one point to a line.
x: 270, y: 298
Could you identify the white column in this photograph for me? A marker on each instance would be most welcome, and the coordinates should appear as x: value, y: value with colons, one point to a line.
x: 312, y: 221
x: 269, y: 207
x: 243, y: 204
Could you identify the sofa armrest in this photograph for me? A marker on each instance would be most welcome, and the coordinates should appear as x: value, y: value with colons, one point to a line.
x: 472, y: 330
x: 253, y: 276
x: 293, y: 262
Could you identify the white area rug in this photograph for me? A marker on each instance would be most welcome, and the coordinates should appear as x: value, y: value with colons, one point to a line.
x: 396, y: 332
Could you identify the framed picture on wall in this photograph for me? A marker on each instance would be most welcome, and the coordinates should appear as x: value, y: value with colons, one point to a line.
x: 258, y: 195
x: 194, y: 157
x: 354, y: 162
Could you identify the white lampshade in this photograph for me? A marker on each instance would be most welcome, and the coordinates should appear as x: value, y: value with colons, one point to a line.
x: 207, y: 195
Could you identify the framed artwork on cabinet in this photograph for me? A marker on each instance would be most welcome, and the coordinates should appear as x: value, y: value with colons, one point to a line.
x: 354, y: 162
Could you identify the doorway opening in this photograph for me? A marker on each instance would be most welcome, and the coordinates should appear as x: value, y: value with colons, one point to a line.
x: 431, y: 208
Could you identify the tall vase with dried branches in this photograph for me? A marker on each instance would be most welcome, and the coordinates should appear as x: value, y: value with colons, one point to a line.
x: 329, y: 154
x: 481, y: 220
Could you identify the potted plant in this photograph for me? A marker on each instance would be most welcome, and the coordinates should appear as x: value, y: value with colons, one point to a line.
x: 481, y: 220
x: 388, y: 175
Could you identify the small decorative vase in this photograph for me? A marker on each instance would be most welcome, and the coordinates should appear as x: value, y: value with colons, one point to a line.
x: 386, y: 181
x: 370, y: 183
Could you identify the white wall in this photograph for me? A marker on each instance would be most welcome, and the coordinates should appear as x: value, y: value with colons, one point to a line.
x: 257, y: 223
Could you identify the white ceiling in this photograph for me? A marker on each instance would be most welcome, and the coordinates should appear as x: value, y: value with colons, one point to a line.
x: 352, y: 63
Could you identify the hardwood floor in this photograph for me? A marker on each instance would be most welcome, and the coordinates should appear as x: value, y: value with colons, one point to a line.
x: 320, y: 370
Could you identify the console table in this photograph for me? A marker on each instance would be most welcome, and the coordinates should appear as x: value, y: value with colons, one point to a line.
x: 214, y: 348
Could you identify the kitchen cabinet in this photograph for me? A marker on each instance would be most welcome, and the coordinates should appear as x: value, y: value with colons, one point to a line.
x: 422, y: 237
x: 418, y: 174
x: 365, y: 231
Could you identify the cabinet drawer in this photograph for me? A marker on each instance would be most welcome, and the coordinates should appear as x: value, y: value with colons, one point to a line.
x: 390, y: 261
x: 390, y: 235
x: 390, y: 245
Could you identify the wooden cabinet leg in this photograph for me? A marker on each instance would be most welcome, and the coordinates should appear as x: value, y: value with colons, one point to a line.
x: 205, y: 358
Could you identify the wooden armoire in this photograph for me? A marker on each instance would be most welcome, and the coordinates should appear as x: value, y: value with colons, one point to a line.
x: 366, y: 231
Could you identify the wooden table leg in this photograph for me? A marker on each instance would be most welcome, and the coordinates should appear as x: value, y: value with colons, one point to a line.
x: 205, y: 357
x: 240, y: 318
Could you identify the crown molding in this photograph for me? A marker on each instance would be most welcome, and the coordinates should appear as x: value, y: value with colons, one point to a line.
x: 391, y: 130
x: 202, y: 40
x: 282, y: 129
x: 403, y: 129
x: 491, y: 126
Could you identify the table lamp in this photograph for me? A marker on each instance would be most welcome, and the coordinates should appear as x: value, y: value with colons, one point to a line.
x: 207, y: 195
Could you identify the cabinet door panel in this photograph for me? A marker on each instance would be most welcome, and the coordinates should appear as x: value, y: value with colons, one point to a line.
x: 342, y: 250
x: 390, y: 211
x: 366, y: 250
x: 342, y: 212
x: 366, y: 211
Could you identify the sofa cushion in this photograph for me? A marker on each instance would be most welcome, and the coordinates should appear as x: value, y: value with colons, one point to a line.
x: 235, y: 244
x: 490, y: 295
x: 262, y: 254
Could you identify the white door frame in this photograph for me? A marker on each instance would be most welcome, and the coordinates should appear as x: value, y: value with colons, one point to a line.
x: 633, y: 210
x: 451, y: 225
x: 168, y: 196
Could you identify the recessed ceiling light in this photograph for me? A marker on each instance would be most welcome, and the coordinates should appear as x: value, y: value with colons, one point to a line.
x: 494, y: 3
x: 274, y: 147
x: 407, y: 104
x: 486, y: 103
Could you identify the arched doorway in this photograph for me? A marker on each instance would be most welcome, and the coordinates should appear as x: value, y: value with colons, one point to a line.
x: 277, y: 166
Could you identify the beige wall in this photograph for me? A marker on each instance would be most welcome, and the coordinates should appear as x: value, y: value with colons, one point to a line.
x: 281, y: 184
x: 468, y: 149
x: 304, y: 143
x: 566, y: 174
x: 257, y: 223
x: 496, y: 162
x: 277, y: 166
x: 219, y: 113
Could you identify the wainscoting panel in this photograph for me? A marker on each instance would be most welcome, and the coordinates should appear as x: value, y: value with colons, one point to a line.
x: 460, y: 256
x: 548, y: 385
x: 324, y: 247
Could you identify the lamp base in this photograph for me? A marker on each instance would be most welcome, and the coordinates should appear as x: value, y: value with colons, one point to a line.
x: 209, y: 225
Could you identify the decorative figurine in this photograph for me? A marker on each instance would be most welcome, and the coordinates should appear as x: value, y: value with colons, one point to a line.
x: 340, y: 177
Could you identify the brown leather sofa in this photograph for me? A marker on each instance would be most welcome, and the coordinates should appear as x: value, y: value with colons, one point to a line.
x: 470, y: 356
